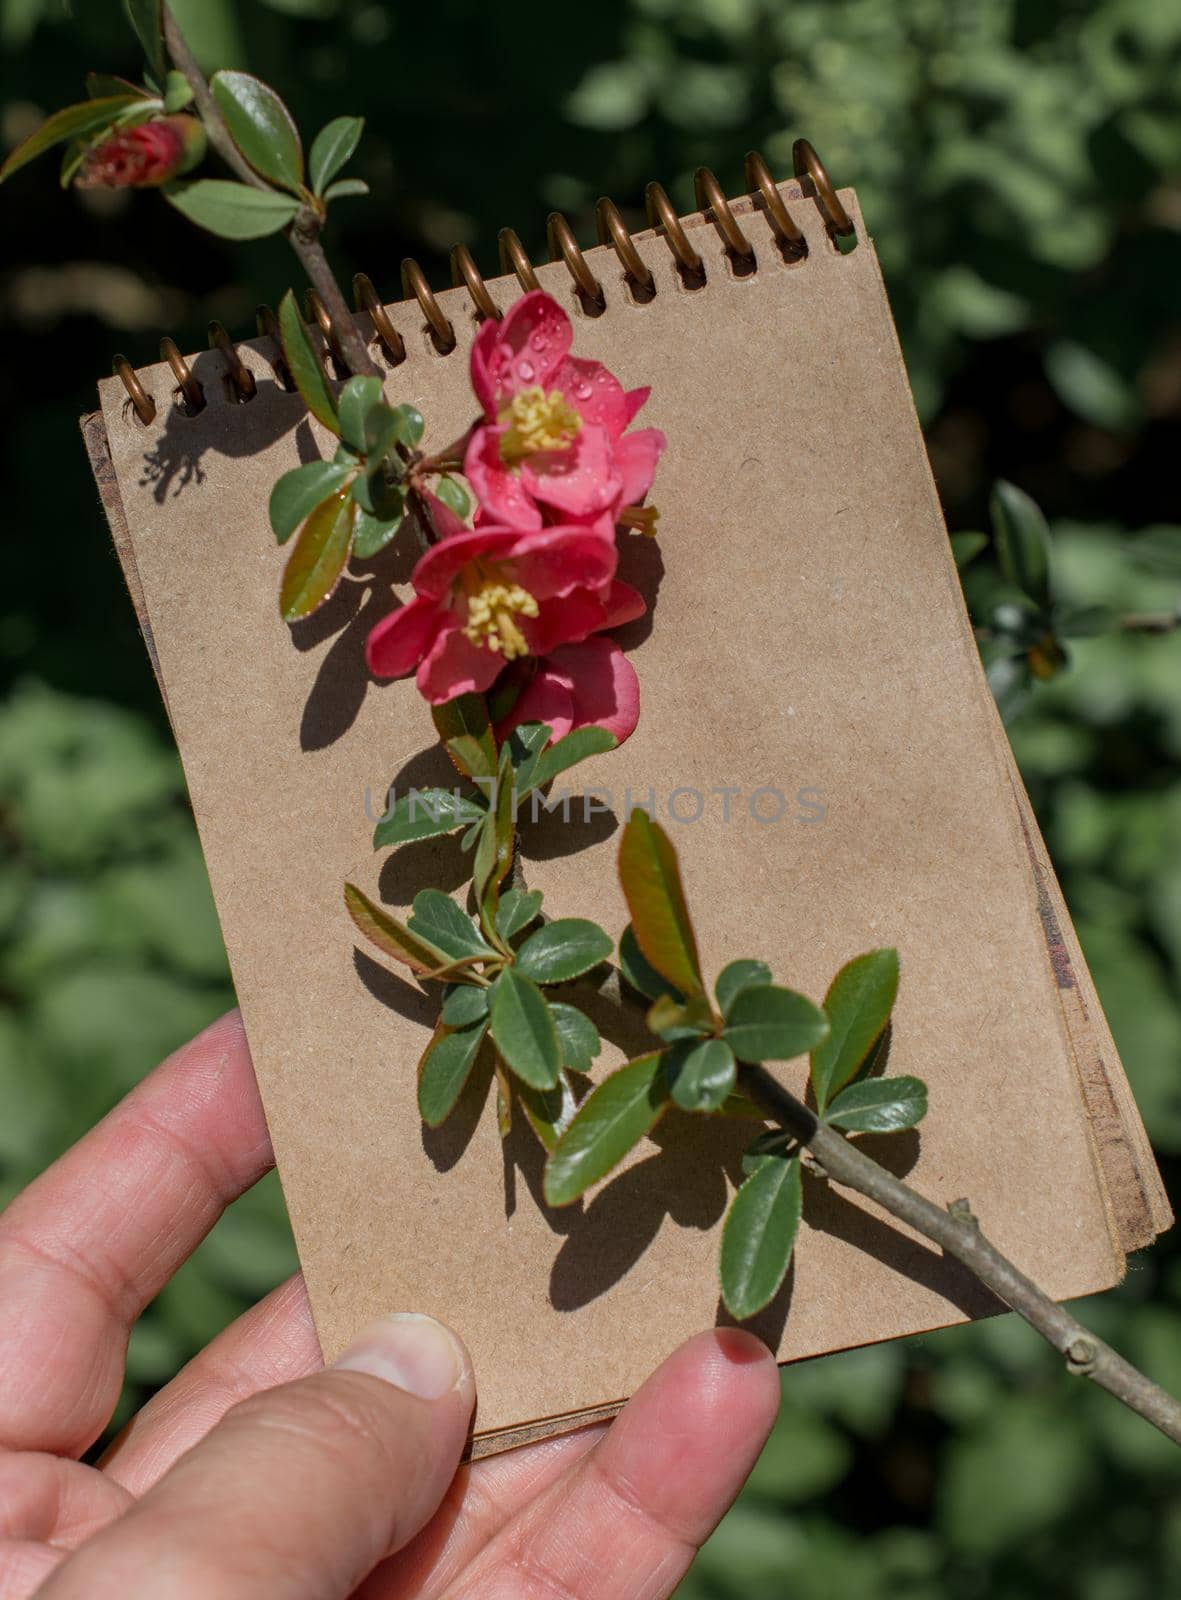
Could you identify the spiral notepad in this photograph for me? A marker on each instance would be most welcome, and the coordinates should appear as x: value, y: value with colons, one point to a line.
x: 816, y: 733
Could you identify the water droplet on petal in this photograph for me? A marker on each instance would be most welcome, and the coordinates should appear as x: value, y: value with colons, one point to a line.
x: 525, y: 371
x: 582, y: 390
x: 538, y: 339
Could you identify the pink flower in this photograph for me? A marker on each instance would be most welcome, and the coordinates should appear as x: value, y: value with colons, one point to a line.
x: 493, y: 595
x: 554, y: 438
x: 145, y: 156
x: 585, y: 684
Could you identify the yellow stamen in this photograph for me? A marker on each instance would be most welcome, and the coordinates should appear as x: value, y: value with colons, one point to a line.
x: 492, y: 610
x: 642, y: 518
x: 536, y: 421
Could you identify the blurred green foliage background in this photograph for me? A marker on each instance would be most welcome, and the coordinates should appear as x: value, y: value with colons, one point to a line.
x: 1020, y: 167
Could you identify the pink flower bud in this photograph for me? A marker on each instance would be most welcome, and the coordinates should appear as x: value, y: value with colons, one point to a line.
x: 145, y: 156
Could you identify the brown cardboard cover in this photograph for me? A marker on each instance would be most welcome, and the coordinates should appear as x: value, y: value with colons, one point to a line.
x: 807, y: 640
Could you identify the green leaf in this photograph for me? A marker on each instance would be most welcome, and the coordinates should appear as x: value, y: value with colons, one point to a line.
x: 568, y: 752
x: 346, y: 189
x: 317, y: 562
x: 773, y: 1024
x: 673, y: 1019
x: 879, y: 1105
x: 577, y: 1035
x: 651, y: 882
x: 104, y: 85
x: 549, y: 1112
x: 772, y: 1142
x: 358, y: 397
x: 463, y: 726
x: 377, y: 497
x: 385, y: 427
x: 858, y: 1005
x: 702, y: 1073
x: 463, y: 1004
x: 494, y: 846
x: 965, y: 547
x: 301, y: 358
x: 759, y: 1235
x: 436, y: 918
x: 390, y: 935
x: 261, y: 127
x: 298, y: 492
x: 524, y: 1030
x: 640, y: 972
x: 454, y: 496
x: 516, y: 910
x: 85, y: 120
x: 413, y: 425
x: 424, y: 814
x: 444, y: 1069
x: 374, y: 533
x: 147, y: 20
x: 736, y: 977
x: 612, y: 1119
x: 1084, y: 622
x: 1022, y: 541
x: 332, y: 147
x: 178, y: 92
x: 231, y: 210
x: 565, y: 948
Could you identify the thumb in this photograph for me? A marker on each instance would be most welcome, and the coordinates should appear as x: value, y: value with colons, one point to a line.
x: 298, y: 1491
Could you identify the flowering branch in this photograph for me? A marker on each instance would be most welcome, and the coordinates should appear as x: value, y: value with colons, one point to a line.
x: 957, y: 1232
x: 303, y: 232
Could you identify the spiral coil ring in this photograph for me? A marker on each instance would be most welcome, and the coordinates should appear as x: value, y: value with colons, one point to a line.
x: 514, y: 259
x: 239, y: 374
x: 663, y: 217
x: 711, y: 199
x: 414, y: 283
x: 562, y: 246
x: 466, y: 275
x: 759, y: 181
x: 808, y: 164
x: 367, y: 299
x: 316, y: 311
x: 140, y: 399
x: 193, y: 391
x: 613, y: 231
x: 267, y: 324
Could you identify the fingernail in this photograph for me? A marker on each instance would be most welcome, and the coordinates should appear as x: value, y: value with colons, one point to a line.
x: 413, y: 1352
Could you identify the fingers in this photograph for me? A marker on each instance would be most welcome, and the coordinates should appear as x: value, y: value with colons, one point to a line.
x: 87, y: 1245
x: 297, y: 1493
x: 625, y: 1524
x: 272, y: 1343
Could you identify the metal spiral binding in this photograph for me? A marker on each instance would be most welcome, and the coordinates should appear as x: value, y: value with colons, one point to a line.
x: 562, y: 246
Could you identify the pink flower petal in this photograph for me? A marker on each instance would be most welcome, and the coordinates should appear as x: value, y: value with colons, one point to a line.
x: 580, y: 481
x: 527, y: 346
x: 636, y: 455
x: 634, y: 400
x: 594, y: 393
x: 623, y: 604
x: 555, y: 560
x: 440, y: 566
x: 500, y: 492
x: 563, y: 620
x: 604, y: 684
x: 548, y: 698
x: 454, y: 665
x: 398, y: 642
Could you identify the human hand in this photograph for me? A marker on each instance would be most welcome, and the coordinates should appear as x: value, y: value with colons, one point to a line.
x: 257, y: 1473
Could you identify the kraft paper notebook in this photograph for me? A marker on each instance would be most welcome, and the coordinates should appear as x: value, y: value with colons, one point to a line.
x: 808, y: 640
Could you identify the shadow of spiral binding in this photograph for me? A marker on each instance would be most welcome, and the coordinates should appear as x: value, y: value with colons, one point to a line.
x: 562, y: 246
